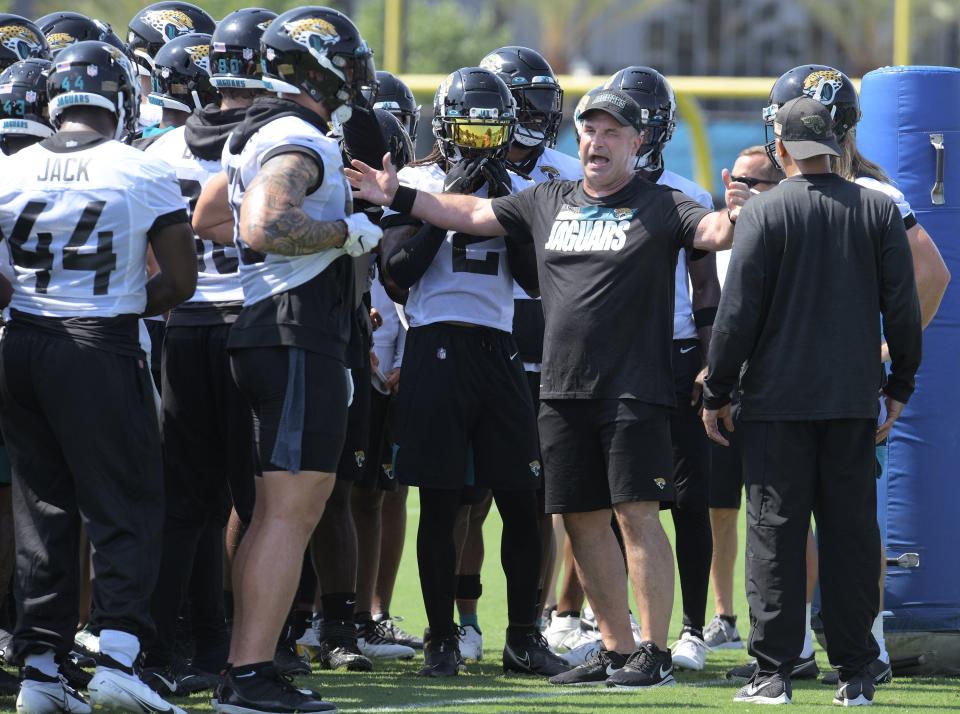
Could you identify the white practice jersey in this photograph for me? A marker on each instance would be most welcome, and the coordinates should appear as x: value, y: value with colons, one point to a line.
x: 469, y: 279
x: 263, y: 275
x: 77, y: 223
x: 218, y: 277
x: 683, y: 326
x: 551, y: 166
x: 895, y: 194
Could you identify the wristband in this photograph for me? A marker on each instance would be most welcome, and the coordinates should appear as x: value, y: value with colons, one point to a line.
x: 403, y: 199
x: 704, y: 317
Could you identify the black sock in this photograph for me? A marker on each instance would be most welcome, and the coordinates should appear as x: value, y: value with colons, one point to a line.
x: 437, y: 558
x: 694, y: 547
x: 729, y: 619
x: 338, y: 606
x: 520, y: 552
x: 519, y: 634
x: 243, y: 669
x: 361, y: 618
x: 568, y: 613
x: 696, y: 632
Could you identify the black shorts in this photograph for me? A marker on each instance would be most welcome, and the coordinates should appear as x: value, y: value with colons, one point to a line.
x: 599, y: 452
x: 378, y: 466
x: 726, y: 471
x: 691, y: 446
x: 209, y: 452
x: 463, y: 387
x: 353, y: 459
x: 300, y: 401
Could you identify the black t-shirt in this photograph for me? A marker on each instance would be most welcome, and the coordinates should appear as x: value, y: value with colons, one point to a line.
x: 606, y: 268
x: 316, y: 316
x: 816, y: 262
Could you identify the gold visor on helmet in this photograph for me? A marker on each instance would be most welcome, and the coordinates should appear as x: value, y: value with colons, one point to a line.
x: 469, y: 133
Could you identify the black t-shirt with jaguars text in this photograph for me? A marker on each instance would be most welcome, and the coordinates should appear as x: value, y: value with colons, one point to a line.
x: 606, y: 268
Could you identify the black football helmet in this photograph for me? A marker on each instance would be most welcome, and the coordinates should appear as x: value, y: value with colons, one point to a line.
x: 473, y: 114
x: 181, y: 74
x: 394, y: 96
x: 651, y: 90
x: 235, y: 49
x: 825, y: 84
x: 318, y: 51
x: 158, y: 23
x: 23, y: 101
x: 20, y: 39
x: 534, y: 86
x: 62, y: 29
x: 95, y: 74
x: 396, y: 138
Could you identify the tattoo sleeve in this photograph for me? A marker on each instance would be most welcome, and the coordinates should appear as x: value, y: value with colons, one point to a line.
x: 272, y: 219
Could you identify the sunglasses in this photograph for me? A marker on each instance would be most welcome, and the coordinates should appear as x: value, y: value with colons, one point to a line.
x: 750, y: 181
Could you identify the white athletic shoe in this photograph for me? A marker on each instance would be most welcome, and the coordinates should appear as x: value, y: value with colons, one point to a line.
x: 116, y: 689
x: 308, y: 646
x: 40, y: 694
x: 719, y: 634
x: 689, y: 652
x: 580, y: 654
x: 588, y: 620
x: 471, y: 643
x: 564, y: 633
x: 373, y: 643
x: 87, y: 642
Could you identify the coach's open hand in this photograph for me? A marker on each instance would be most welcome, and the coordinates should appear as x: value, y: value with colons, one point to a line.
x: 377, y: 187
x: 711, y: 417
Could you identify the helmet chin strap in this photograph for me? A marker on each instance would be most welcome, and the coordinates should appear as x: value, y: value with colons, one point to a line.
x: 650, y: 161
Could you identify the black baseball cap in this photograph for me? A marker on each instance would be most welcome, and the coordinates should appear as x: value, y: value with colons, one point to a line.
x: 617, y: 104
x: 805, y: 127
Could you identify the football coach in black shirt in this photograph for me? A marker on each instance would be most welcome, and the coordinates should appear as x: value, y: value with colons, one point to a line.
x: 606, y: 250
x: 818, y: 260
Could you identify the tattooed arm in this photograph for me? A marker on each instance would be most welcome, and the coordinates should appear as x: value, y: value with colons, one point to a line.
x: 272, y: 219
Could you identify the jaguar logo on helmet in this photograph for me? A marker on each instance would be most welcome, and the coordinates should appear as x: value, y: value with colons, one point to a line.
x: 313, y: 33
x: 492, y: 62
x: 57, y: 41
x: 262, y: 26
x: 823, y: 85
x: 550, y: 172
x: 169, y: 23
x: 20, y: 40
x: 200, y: 56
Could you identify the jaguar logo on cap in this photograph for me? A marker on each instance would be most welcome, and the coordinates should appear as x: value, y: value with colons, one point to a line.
x: 814, y: 123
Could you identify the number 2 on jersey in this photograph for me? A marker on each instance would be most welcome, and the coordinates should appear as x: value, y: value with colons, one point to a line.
x: 101, y: 263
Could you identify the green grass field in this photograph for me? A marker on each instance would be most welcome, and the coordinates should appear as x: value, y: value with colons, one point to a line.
x: 394, y: 687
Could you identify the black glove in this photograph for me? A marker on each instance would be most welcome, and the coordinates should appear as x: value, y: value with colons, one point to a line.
x: 498, y: 180
x: 464, y: 177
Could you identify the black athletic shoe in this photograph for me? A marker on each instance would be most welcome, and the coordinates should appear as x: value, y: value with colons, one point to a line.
x: 765, y: 689
x: 879, y: 670
x: 646, y: 668
x: 803, y: 668
x: 339, y: 648
x: 858, y: 692
x: 75, y: 676
x: 390, y: 630
x: 180, y: 680
x: 532, y: 656
x: 267, y: 691
x: 441, y: 657
x: 9, y: 685
x: 599, y: 667
x: 287, y: 660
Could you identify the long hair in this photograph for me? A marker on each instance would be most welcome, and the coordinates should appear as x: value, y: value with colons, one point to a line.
x: 434, y: 157
x: 851, y: 164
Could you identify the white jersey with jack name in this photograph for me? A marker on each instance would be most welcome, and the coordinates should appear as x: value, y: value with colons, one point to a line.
x: 684, y: 327
x: 218, y: 277
x: 469, y: 279
x: 263, y: 275
x: 77, y: 217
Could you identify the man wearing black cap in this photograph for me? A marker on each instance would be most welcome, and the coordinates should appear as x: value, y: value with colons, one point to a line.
x: 606, y: 252
x: 808, y: 396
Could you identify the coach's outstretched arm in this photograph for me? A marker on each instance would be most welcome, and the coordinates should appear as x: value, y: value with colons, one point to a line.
x: 453, y: 211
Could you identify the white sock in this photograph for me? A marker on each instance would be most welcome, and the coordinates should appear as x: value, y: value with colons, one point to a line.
x: 877, y: 631
x: 43, y: 662
x: 122, y: 646
x: 807, y: 635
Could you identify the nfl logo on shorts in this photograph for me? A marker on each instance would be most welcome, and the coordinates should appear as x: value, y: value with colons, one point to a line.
x: 535, y: 468
x: 441, y: 353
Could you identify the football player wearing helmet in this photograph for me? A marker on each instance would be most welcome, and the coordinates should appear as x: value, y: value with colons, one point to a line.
x: 150, y: 29
x: 20, y: 39
x: 696, y: 296
x: 394, y: 96
x: 288, y: 346
x: 205, y: 471
x: 71, y: 347
x: 463, y: 384
x: 539, y: 99
x: 62, y: 29
x: 834, y: 89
